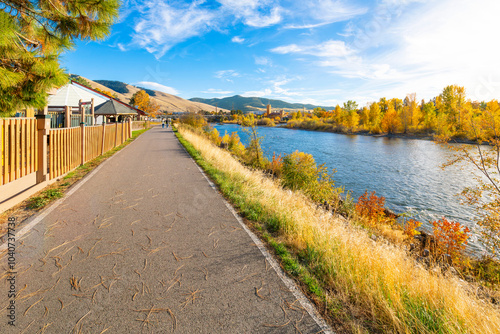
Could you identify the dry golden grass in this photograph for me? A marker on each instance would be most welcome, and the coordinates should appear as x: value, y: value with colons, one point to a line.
x: 395, y: 293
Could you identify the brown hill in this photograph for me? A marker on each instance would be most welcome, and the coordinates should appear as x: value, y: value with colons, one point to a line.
x: 168, y: 103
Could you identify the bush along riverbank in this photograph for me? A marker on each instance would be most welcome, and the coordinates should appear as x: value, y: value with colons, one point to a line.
x: 362, y: 282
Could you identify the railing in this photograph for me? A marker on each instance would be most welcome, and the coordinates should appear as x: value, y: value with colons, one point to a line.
x: 93, y: 141
x: 23, y: 142
x: 18, y: 148
x: 58, y: 115
x: 139, y: 125
x: 65, y: 150
x: 56, y: 120
x: 75, y: 120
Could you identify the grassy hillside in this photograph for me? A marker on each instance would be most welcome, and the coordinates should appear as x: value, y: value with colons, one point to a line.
x: 253, y: 104
x: 167, y: 102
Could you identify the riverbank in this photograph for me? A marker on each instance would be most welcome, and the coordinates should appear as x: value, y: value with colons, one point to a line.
x: 364, y: 286
x: 428, y: 137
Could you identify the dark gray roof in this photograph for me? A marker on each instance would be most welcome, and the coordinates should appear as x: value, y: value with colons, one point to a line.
x: 112, y: 107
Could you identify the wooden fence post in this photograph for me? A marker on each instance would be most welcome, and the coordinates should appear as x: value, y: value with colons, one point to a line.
x: 92, y: 110
x: 43, y: 127
x: 82, y: 112
x: 116, y: 133
x: 103, y: 136
x: 67, y: 116
x: 82, y: 128
x: 130, y: 127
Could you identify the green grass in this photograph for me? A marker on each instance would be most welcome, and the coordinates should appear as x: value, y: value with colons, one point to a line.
x: 45, y: 198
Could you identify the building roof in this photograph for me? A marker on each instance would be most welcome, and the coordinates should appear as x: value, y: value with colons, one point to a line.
x: 113, y: 107
x: 71, y: 94
x: 138, y: 111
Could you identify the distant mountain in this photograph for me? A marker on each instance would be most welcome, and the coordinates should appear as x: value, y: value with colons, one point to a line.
x: 253, y: 104
x: 117, y: 86
x: 167, y: 102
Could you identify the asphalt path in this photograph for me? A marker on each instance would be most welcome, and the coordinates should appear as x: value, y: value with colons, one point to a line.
x: 145, y: 244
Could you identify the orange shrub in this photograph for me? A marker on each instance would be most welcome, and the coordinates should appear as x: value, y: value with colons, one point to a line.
x: 276, y: 165
x: 450, y: 238
x: 371, y: 208
x: 410, y: 228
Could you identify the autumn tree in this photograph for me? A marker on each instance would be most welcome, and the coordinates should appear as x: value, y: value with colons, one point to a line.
x: 411, y: 115
x: 365, y: 118
x: 352, y: 120
x: 106, y: 92
x: 350, y: 106
x: 453, y: 98
x: 429, y: 116
x: 338, y: 115
x: 484, y: 195
x: 390, y: 121
x: 33, y: 35
x: 375, y: 117
x: 142, y: 101
x: 383, y: 104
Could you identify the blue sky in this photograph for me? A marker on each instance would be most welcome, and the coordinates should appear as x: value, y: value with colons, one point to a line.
x: 312, y: 51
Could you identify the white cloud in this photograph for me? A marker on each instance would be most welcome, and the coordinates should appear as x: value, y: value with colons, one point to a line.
x: 237, y: 39
x: 324, y: 12
x: 307, y: 26
x: 291, y: 48
x: 121, y: 47
x: 227, y: 75
x: 260, y: 21
x: 331, y: 48
x: 262, y: 61
x: 255, y: 13
x: 401, y: 51
x: 258, y: 93
x: 217, y: 91
x: 429, y: 52
x: 157, y: 86
x: 161, y: 25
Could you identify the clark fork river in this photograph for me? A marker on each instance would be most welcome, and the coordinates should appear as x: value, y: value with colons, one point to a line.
x: 406, y: 172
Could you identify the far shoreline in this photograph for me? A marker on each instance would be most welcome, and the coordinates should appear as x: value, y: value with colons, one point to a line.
x: 428, y: 137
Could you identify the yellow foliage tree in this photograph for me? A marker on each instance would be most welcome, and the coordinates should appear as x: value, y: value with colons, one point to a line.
x: 142, y: 101
x: 390, y: 122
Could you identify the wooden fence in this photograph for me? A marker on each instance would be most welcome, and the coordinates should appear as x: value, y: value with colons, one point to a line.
x: 29, y: 145
x: 139, y: 125
x: 65, y: 150
x: 18, y: 148
x: 69, y: 148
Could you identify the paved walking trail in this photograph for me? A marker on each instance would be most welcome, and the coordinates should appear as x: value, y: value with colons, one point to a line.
x: 146, y: 245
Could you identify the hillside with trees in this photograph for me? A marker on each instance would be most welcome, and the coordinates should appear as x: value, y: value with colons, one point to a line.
x: 167, y: 102
x: 253, y: 104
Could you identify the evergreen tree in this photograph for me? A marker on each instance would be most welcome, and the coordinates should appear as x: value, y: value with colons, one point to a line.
x: 33, y: 35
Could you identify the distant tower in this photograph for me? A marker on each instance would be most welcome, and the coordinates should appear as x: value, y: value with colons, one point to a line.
x: 268, y: 111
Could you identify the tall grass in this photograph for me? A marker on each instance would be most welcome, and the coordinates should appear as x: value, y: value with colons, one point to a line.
x: 391, y: 291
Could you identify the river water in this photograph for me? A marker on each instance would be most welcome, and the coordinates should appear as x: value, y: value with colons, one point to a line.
x: 405, y: 171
